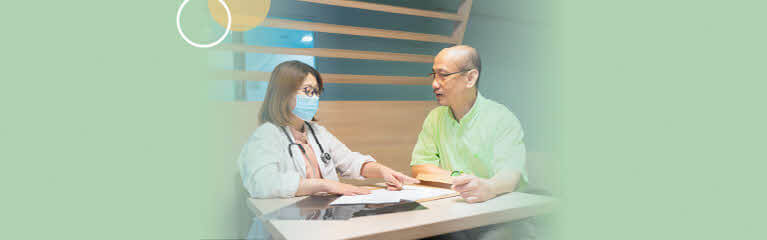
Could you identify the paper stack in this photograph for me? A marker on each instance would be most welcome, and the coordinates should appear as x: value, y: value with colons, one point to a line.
x: 409, y: 193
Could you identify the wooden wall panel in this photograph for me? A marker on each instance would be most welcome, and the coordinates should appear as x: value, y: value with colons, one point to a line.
x: 387, y: 130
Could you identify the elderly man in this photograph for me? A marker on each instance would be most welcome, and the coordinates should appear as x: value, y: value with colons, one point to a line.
x: 475, y: 139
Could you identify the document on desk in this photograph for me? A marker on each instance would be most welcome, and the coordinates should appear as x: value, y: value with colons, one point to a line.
x: 409, y: 193
x: 375, y: 197
x: 415, y: 193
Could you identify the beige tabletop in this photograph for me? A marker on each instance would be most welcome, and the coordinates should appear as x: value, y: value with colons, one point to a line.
x: 442, y: 216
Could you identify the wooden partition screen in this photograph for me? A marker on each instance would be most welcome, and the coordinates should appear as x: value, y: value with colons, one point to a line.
x: 387, y: 130
x: 461, y: 17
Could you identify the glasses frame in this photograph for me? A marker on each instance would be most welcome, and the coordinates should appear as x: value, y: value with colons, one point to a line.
x: 443, y: 77
x: 310, y: 91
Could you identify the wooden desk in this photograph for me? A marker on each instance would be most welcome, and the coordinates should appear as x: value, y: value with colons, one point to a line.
x: 442, y: 216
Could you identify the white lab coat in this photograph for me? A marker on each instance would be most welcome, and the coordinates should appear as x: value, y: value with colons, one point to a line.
x: 268, y: 171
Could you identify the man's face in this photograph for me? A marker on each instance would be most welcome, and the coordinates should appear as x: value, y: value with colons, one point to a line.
x: 447, y: 87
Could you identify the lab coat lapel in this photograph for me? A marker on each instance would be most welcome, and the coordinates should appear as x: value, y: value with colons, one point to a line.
x: 328, y: 169
x: 315, y: 148
x: 298, y: 157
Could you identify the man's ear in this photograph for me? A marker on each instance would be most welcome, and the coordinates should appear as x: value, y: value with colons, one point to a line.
x: 471, y: 78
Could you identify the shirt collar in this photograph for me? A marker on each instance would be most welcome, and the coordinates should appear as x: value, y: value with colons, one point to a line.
x: 472, y: 114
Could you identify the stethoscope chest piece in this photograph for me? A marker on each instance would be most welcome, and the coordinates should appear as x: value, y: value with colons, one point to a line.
x: 325, y: 157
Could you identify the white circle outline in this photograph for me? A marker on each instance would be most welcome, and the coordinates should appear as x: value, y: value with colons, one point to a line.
x: 228, y: 26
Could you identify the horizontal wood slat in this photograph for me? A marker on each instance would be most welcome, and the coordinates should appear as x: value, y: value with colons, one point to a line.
x: 331, y: 53
x: 358, y: 31
x: 329, y: 78
x: 376, y: 79
x: 388, y: 8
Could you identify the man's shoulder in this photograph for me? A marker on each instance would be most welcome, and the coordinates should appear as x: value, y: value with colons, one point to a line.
x: 498, y: 112
x: 433, y: 118
x: 437, y: 113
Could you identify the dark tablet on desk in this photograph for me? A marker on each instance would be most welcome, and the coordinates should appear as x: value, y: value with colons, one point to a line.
x: 318, y: 208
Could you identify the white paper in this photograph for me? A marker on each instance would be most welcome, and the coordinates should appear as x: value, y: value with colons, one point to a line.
x: 410, y: 193
x: 375, y: 197
x: 414, y: 193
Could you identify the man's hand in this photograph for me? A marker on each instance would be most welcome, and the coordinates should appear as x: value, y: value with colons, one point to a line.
x: 395, y: 180
x: 473, y: 189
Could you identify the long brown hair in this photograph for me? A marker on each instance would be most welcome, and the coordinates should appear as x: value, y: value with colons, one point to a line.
x: 283, y: 84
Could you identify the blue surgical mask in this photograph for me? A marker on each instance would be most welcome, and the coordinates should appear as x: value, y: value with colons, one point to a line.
x: 306, y: 107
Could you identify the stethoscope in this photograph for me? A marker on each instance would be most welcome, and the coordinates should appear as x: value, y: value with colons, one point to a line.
x: 324, y: 156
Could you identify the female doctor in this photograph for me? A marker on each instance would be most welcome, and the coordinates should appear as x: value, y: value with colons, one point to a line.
x: 290, y: 155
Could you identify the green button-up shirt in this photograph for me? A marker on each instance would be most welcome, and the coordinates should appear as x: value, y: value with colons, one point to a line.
x: 486, y: 140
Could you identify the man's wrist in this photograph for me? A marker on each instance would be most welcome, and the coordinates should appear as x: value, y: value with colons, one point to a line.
x: 495, y: 188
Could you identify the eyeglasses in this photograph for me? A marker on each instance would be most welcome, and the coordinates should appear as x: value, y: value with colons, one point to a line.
x: 310, y: 92
x: 443, y: 76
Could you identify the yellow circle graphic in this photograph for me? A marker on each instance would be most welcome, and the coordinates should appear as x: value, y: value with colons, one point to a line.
x: 200, y: 45
x: 246, y: 14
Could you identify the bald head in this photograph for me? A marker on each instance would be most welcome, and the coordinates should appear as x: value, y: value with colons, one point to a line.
x: 463, y: 57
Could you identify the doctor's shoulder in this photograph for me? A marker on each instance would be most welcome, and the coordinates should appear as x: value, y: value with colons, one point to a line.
x: 266, y: 130
x: 319, y: 129
x: 323, y: 133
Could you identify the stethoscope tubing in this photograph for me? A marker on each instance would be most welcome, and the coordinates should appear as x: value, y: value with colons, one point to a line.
x: 323, y: 155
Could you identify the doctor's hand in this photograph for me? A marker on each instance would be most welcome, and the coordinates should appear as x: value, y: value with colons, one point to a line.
x: 473, y: 189
x: 395, y: 180
x: 344, y: 189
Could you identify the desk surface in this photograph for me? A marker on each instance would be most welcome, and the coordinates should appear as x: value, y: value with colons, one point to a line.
x: 442, y: 216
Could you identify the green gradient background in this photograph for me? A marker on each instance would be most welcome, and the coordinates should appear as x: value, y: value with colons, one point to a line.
x: 105, y: 116
x: 664, y: 119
